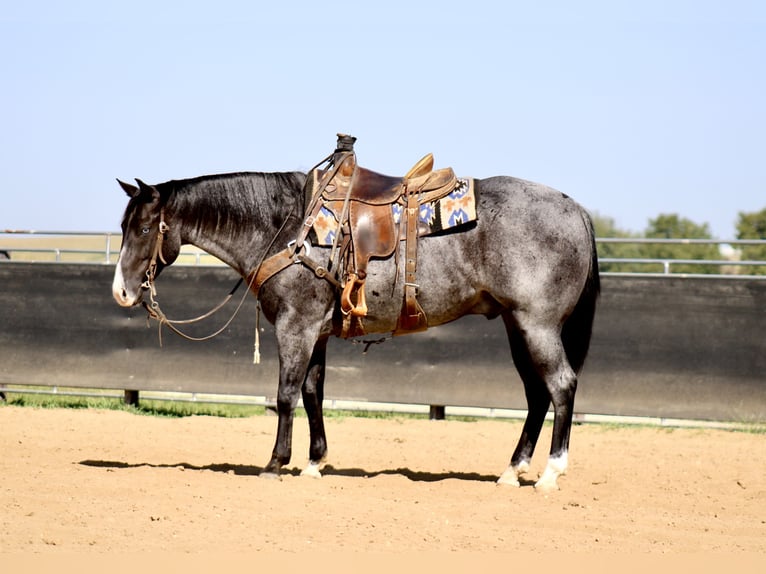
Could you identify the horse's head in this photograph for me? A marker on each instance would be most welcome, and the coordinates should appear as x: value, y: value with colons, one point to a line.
x: 148, y: 243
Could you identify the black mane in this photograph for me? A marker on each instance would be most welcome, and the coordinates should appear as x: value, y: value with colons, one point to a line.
x: 225, y: 203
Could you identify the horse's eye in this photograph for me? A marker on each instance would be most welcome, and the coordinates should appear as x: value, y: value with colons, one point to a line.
x: 145, y: 230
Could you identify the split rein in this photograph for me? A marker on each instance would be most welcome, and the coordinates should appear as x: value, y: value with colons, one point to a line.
x: 155, y: 311
x: 274, y: 265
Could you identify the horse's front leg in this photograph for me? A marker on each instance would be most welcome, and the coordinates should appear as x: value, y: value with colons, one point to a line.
x: 313, y: 396
x: 287, y: 399
x: 294, y: 358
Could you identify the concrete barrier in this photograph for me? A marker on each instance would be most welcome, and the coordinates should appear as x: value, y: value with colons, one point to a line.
x: 662, y: 347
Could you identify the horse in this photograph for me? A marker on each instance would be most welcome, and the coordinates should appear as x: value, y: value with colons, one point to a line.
x: 529, y: 258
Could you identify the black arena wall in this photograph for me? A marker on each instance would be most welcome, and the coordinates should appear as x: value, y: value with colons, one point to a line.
x: 669, y: 347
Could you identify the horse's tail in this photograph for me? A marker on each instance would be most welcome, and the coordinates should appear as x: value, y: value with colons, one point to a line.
x: 578, y: 328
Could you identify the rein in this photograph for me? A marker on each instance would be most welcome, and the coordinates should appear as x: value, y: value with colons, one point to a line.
x: 155, y: 312
x: 265, y: 269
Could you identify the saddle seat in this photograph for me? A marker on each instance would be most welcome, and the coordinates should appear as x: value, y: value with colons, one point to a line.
x: 361, y: 201
x: 374, y: 188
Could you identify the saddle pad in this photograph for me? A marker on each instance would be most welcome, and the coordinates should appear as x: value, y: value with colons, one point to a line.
x: 453, y: 210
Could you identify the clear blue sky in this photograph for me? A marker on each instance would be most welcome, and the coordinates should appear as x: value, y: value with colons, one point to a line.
x: 633, y: 108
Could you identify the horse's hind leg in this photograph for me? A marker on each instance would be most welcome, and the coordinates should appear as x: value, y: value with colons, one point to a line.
x: 543, y: 366
x: 538, y: 402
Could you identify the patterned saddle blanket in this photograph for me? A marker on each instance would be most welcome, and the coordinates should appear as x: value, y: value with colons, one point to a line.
x: 453, y: 210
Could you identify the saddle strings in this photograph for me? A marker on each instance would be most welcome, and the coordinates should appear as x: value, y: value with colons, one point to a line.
x: 334, y: 162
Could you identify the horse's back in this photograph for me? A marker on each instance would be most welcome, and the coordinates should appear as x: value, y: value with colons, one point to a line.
x: 527, y: 227
x: 529, y: 248
x: 529, y: 209
x: 541, y: 240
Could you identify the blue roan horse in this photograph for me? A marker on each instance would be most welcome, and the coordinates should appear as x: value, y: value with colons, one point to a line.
x: 530, y: 258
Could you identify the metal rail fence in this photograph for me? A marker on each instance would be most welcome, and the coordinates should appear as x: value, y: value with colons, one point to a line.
x: 51, y: 246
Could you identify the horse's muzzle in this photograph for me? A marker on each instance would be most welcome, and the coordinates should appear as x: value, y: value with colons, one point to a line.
x: 124, y: 299
x: 124, y: 296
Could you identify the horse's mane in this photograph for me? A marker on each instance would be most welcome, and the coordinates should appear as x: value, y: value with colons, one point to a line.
x: 227, y: 203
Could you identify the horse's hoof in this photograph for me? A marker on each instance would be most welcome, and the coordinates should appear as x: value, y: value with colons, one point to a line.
x: 270, y: 475
x: 546, y: 486
x: 312, y: 470
x: 548, y: 482
x: 509, y: 478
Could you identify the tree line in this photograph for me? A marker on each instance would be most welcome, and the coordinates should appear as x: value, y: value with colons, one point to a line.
x: 750, y: 225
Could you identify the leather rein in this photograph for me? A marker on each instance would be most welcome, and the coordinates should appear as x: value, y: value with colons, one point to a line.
x: 155, y: 311
x: 265, y: 269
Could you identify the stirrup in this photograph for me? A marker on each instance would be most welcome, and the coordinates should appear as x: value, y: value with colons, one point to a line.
x: 346, y: 305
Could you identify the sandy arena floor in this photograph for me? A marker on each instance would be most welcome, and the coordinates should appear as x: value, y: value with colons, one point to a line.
x: 89, y: 481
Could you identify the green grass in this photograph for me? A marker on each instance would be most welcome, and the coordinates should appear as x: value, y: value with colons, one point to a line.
x: 145, y: 407
x: 177, y: 409
x: 166, y: 408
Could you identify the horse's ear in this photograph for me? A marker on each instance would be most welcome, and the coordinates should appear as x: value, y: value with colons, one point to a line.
x: 131, y: 190
x: 147, y: 189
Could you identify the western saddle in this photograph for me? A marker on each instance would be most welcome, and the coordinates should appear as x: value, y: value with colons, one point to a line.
x: 362, y: 204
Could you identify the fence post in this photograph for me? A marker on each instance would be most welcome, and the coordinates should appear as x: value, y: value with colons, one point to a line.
x: 436, y: 413
x: 131, y: 398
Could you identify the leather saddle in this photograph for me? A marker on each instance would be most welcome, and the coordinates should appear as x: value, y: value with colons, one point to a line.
x: 362, y: 202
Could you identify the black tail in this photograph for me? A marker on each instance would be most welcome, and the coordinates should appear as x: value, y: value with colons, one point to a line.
x: 578, y: 327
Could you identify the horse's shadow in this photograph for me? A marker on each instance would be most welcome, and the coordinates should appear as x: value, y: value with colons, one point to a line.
x: 226, y: 468
x: 328, y: 470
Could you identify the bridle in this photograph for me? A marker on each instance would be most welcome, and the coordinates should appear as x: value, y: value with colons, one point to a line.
x: 255, y: 277
x: 297, y: 251
x: 151, y: 270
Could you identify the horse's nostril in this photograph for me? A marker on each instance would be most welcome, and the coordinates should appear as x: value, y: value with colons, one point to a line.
x: 121, y: 295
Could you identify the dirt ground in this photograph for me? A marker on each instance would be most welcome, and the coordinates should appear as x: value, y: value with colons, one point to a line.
x: 91, y: 481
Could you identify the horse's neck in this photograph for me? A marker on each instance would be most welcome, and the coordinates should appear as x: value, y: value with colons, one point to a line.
x: 244, y: 245
x: 233, y: 251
